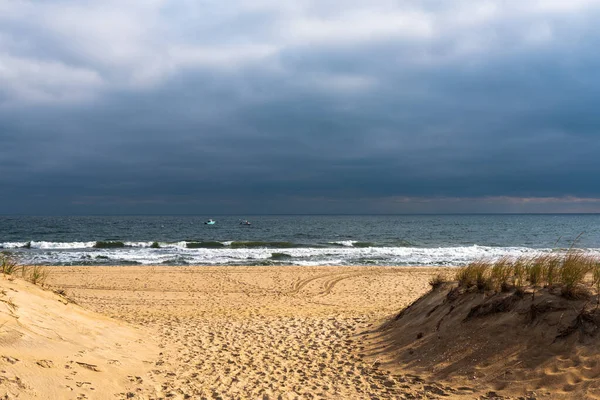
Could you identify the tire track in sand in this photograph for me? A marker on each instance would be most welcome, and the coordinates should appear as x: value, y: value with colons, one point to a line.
x: 330, y: 284
x: 300, y: 284
x: 331, y: 280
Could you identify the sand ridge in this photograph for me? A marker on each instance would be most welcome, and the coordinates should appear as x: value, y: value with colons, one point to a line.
x: 51, y: 348
x: 514, y: 343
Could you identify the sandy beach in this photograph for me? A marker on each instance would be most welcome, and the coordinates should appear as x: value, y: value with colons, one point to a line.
x: 235, y: 332
x: 143, y: 332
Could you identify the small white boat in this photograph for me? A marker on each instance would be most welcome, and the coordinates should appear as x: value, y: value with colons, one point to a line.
x: 245, y: 222
x: 210, y: 222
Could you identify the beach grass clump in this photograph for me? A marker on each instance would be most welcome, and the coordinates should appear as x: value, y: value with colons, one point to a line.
x: 437, y: 281
x: 37, y: 274
x: 501, y: 274
x: 482, y: 276
x: 575, y: 267
x: 8, y: 264
x: 25, y: 271
x: 465, y: 276
x: 596, y: 278
x: 519, y: 268
x: 567, y: 271
x: 475, y: 274
x: 535, y: 270
x: 552, y: 269
x: 12, y: 307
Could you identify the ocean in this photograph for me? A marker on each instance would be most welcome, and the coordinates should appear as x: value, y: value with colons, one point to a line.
x: 419, y: 240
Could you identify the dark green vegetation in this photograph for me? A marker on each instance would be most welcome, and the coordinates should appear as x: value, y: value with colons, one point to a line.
x: 204, y: 245
x: 277, y: 245
x: 280, y: 256
x: 108, y: 244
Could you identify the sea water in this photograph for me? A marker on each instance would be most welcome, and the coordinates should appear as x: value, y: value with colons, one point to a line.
x: 434, y: 240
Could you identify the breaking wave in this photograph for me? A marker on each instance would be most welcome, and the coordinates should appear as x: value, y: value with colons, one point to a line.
x: 253, y: 253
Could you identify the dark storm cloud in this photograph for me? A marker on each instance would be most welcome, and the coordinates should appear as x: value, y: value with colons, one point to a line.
x: 263, y: 107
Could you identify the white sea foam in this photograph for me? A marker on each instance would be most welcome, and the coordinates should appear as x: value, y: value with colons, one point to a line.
x: 61, y: 245
x: 12, y: 245
x: 48, y: 245
x: 176, y: 245
x: 346, y: 243
x: 177, y: 253
x: 138, y: 244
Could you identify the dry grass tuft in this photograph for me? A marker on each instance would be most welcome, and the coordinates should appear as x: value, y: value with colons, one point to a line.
x: 552, y: 268
x: 519, y: 270
x: 12, y: 307
x: 465, y: 277
x: 62, y: 293
x: 501, y: 274
x: 37, y: 274
x: 536, y: 270
x: 574, y: 268
x: 567, y: 269
x: 8, y: 264
x: 596, y: 278
x: 475, y: 274
x: 437, y: 281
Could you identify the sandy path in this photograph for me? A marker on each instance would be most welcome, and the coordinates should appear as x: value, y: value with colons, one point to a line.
x: 258, y: 332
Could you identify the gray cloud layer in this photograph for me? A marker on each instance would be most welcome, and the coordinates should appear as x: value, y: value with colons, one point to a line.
x: 316, y: 106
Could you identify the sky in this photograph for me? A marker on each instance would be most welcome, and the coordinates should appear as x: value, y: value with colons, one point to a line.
x: 324, y: 106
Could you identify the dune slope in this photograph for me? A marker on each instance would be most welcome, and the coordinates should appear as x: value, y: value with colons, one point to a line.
x: 51, y: 348
x: 515, y: 344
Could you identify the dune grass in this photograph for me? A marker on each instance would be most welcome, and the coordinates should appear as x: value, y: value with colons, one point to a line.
x: 551, y: 271
x: 500, y: 274
x: 8, y: 264
x: 535, y: 270
x: 437, y: 281
x: 36, y: 274
x: 596, y: 279
x: 574, y: 268
x: 568, y: 270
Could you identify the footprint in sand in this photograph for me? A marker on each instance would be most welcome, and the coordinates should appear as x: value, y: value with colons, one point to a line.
x: 91, y: 367
x: 45, y: 363
x: 11, y: 360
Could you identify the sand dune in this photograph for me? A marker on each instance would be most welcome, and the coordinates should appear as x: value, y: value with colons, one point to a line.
x: 53, y: 349
x: 515, y: 344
